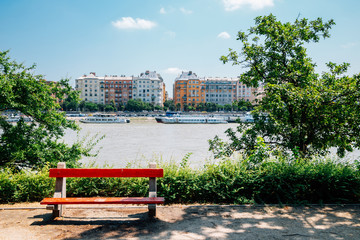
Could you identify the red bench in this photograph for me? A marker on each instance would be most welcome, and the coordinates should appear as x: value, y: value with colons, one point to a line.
x: 56, y: 204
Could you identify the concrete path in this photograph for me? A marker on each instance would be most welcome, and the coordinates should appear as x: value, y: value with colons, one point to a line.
x: 183, y: 222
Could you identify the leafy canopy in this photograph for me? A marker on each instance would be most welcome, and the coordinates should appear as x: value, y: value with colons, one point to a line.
x: 300, y: 111
x: 34, y: 144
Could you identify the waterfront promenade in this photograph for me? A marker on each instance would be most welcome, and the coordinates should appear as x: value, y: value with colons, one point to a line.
x: 184, y: 222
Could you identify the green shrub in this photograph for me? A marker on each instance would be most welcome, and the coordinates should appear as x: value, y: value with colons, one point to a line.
x: 227, y: 182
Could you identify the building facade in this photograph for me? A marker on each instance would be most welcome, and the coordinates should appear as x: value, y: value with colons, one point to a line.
x: 189, y: 90
x: 248, y: 94
x: 117, y: 89
x: 220, y: 90
x: 149, y: 87
x: 89, y: 87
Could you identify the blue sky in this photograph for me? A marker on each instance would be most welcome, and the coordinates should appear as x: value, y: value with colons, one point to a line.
x: 68, y: 38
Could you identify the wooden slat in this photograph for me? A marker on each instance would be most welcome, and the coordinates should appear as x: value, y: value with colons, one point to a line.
x: 99, y: 172
x: 104, y: 200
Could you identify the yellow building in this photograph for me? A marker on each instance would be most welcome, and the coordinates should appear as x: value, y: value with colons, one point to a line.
x: 189, y: 90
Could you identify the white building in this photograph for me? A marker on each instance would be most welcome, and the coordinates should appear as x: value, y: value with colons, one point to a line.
x: 89, y: 87
x: 149, y: 87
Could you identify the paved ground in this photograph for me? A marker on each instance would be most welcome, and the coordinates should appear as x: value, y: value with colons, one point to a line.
x: 183, y: 222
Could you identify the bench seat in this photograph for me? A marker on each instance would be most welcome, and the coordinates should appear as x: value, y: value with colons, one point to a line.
x: 104, y: 200
x: 59, y: 200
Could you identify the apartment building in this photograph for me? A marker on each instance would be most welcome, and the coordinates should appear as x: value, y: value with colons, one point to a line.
x: 248, y: 94
x: 149, y: 87
x: 116, y: 89
x: 220, y: 90
x: 189, y: 90
x: 89, y: 87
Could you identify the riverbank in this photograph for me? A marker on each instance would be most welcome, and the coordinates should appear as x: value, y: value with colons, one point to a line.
x: 183, y: 222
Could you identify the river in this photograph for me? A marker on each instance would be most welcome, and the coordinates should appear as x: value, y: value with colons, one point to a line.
x: 144, y: 140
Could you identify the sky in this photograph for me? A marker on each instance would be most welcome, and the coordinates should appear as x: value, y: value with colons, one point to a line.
x: 69, y: 38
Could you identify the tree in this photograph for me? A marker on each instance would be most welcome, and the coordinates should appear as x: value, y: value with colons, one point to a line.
x: 242, y: 105
x: 201, y: 107
x: 136, y: 105
x: 210, y: 107
x: 70, y: 104
x: 228, y: 107
x: 91, y: 107
x: 170, y: 105
x: 301, y: 111
x: 157, y: 107
x: 34, y: 144
x: 109, y: 108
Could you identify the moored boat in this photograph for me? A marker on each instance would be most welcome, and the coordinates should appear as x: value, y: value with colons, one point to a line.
x: 191, y: 120
x: 104, y: 118
x: 17, y: 118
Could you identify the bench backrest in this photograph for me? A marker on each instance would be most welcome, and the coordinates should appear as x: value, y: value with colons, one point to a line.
x: 101, y: 172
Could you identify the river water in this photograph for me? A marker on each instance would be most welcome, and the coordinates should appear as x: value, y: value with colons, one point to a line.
x: 144, y: 140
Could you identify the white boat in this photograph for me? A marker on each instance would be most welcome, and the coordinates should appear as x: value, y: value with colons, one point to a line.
x: 16, y: 118
x: 104, y: 118
x: 191, y: 120
x: 245, y: 118
x: 75, y: 115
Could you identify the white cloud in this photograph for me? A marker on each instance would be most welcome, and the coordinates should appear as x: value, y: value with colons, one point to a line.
x: 349, y: 45
x: 130, y: 23
x: 224, y: 35
x: 174, y: 70
x: 185, y: 11
x: 231, y: 5
x: 163, y: 11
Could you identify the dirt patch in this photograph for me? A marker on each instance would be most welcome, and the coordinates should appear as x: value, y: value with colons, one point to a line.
x: 182, y: 222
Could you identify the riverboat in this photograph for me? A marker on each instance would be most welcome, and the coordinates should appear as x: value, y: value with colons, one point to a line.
x: 191, y: 120
x: 245, y: 118
x: 75, y: 115
x: 16, y: 118
x: 104, y: 118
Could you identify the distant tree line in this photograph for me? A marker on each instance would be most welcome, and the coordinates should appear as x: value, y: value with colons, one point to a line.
x: 137, y: 105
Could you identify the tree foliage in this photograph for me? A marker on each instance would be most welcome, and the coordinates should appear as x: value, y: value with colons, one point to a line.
x: 34, y: 144
x: 136, y: 105
x: 169, y: 105
x: 301, y: 111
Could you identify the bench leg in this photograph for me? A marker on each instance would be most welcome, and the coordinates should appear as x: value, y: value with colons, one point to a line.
x: 57, y: 211
x: 60, y: 192
x: 152, y: 210
x: 152, y: 192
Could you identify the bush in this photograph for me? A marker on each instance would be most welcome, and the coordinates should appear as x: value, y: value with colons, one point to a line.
x: 228, y: 182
